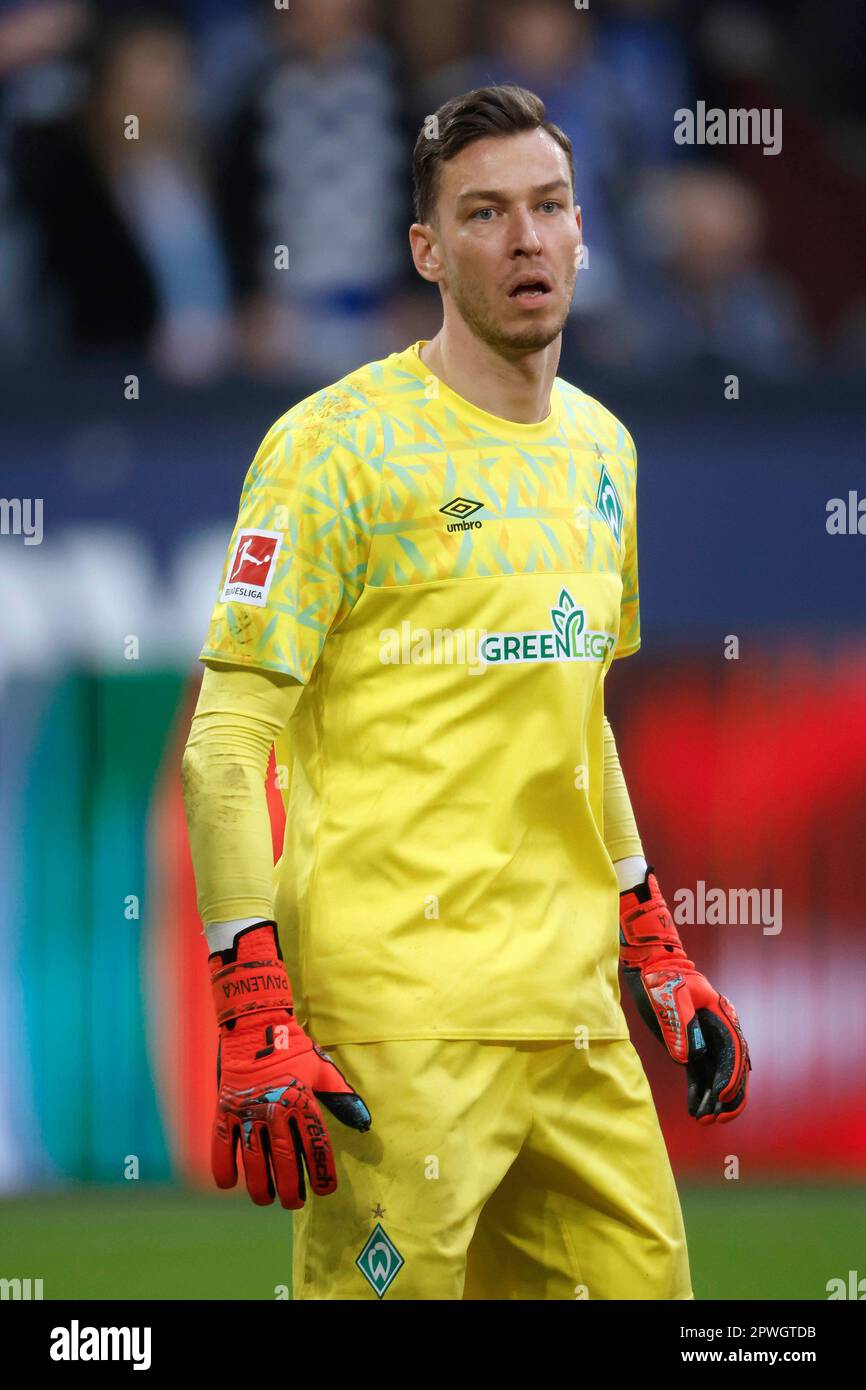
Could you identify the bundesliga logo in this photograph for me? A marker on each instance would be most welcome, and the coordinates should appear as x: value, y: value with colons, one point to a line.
x: 251, y: 567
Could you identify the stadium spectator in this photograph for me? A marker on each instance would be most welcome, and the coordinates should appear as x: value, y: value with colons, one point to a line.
x: 314, y: 163
x: 645, y: 51
x: 120, y: 196
x: 703, y: 293
x: 38, y: 80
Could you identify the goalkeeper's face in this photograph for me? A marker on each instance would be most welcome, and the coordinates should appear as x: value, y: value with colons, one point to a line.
x: 506, y: 240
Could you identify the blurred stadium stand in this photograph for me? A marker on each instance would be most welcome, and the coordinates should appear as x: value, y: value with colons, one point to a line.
x: 261, y: 127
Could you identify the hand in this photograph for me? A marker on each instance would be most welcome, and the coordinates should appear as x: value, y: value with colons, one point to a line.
x: 698, y: 1026
x: 270, y: 1076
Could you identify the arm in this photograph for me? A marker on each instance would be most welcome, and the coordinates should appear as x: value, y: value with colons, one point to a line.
x: 270, y: 1074
x: 620, y: 829
x: 240, y: 712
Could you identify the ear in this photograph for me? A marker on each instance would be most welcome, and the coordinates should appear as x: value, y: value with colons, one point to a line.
x: 425, y: 250
x: 579, y: 248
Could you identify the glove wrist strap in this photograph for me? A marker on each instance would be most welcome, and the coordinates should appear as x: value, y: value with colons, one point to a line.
x: 647, y: 933
x: 250, y: 977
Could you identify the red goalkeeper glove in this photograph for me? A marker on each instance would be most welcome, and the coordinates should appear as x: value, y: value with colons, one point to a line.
x: 698, y: 1026
x: 269, y: 1075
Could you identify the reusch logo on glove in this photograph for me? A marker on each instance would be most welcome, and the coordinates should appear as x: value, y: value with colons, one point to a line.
x: 320, y: 1146
x: 251, y: 568
x: 665, y: 997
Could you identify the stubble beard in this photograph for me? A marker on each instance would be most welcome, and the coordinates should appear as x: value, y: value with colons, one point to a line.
x: 479, y: 317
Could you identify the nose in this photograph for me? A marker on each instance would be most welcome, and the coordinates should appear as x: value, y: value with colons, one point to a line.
x: 524, y: 237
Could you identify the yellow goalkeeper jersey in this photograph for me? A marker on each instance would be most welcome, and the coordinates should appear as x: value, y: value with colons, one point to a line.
x: 450, y: 588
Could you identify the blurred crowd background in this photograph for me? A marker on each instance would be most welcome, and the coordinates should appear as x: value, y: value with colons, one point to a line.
x: 262, y: 125
x: 147, y: 342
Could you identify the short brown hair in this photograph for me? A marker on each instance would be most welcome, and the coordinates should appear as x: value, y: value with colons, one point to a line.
x: 501, y: 110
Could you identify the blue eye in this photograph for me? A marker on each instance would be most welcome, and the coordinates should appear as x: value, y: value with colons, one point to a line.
x: 480, y: 210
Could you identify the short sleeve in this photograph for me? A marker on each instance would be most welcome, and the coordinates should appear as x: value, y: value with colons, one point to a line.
x: 297, y: 558
x: 629, y: 612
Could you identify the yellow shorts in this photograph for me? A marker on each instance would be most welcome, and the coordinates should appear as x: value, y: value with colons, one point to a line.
x: 495, y: 1170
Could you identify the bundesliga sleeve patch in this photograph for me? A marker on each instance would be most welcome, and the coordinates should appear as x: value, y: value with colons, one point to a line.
x: 251, y: 568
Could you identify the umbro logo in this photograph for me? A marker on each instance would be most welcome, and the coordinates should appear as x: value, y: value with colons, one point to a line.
x: 461, y: 507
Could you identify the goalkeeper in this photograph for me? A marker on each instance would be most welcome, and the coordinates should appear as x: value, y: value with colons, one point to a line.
x: 422, y: 1050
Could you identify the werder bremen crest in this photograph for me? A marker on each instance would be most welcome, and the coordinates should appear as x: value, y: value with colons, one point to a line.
x: 608, y: 503
x: 380, y: 1261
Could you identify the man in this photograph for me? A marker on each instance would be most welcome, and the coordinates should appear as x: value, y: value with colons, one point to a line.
x: 450, y: 568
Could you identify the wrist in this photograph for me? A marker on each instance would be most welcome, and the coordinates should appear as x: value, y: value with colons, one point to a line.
x: 630, y: 871
x: 221, y: 935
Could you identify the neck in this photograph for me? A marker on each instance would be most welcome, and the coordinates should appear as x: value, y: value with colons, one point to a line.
x: 516, y: 388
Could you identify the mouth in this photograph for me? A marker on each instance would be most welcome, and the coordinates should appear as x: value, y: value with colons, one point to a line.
x: 532, y: 290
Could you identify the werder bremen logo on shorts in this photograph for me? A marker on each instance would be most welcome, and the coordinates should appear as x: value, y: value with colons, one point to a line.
x: 568, y: 640
x: 380, y: 1261
x: 609, y: 505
